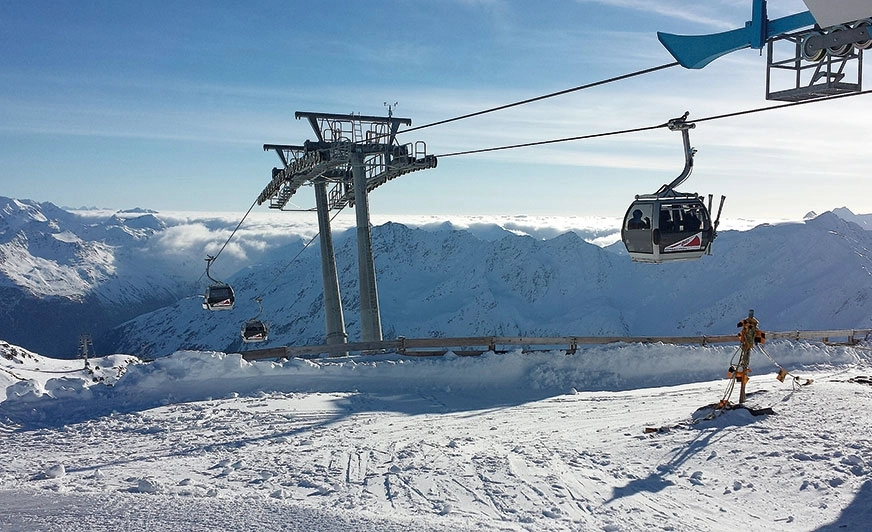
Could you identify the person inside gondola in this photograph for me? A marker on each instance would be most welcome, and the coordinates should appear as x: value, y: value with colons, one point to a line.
x: 666, y: 224
x: 691, y: 221
x: 636, y: 222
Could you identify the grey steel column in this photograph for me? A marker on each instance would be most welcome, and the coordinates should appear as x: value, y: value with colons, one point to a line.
x: 335, y: 323
x: 370, y: 318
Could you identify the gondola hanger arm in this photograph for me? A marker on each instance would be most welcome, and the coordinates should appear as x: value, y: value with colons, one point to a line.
x: 681, y: 124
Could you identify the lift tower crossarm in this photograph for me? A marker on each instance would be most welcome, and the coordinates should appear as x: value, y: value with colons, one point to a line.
x: 283, y: 149
x: 341, y: 140
x: 285, y: 181
x: 697, y: 51
x: 318, y: 120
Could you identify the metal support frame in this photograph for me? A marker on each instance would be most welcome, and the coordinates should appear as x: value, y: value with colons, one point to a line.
x: 680, y: 124
x: 819, y: 63
x: 356, y: 154
x: 85, y: 342
x: 334, y: 319
x: 805, y: 80
x: 370, y: 316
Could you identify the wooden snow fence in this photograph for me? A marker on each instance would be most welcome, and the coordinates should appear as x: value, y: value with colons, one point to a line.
x: 474, y: 346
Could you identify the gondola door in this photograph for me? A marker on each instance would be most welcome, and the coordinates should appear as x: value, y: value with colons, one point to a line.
x: 637, y: 230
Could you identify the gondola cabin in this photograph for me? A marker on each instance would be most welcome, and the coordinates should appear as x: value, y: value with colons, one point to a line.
x: 254, y: 331
x: 660, y: 229
x: 218, y: 296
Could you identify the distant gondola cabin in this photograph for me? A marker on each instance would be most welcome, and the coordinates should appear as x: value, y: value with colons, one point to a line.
x: 218, y: 297
x: 254, y: 331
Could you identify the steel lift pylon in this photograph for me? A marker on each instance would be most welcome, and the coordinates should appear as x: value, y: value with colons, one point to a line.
x: 353, y: 155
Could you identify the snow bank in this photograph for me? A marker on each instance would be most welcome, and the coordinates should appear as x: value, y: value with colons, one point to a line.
x: 509, y: 378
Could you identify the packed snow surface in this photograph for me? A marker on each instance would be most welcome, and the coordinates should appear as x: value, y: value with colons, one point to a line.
x: 617, y: 437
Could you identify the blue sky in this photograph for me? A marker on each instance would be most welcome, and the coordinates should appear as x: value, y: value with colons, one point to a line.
x: 166, y: 105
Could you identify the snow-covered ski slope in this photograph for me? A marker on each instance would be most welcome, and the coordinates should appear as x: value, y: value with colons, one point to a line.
x: 532, y: 442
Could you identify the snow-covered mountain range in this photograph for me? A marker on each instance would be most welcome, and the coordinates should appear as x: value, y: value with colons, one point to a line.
x: 448, y: 282
x: 62, y: 275
x: 68, y: 273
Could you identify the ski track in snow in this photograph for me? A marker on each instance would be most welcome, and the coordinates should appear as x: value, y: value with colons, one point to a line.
x: 437, y: 459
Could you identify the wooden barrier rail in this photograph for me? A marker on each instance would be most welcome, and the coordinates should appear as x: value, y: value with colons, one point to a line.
x: 471, y: 346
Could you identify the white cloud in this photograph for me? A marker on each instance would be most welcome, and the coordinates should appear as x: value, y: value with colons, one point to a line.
x: 711, y: 13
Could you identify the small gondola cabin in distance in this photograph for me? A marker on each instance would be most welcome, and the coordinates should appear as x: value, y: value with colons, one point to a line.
x: 218, y: 296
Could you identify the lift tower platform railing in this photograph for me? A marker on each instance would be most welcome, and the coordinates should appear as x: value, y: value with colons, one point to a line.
x: 354, y: 154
